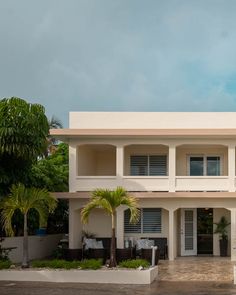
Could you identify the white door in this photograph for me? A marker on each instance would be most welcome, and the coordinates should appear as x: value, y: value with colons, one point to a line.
x: 188, y: 232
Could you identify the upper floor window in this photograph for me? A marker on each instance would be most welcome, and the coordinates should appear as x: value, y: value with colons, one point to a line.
x: 204, y: 165
x: 148, y: 165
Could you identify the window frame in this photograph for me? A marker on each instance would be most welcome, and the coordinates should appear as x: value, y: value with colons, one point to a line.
x: 204, y: 156
x: 148, y: 164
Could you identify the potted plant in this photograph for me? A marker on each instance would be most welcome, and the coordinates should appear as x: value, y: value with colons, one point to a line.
x: 221, y: 229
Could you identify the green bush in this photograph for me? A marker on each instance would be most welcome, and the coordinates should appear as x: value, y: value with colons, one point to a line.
x: 134, y: 263
x: 91, y: 264
x: 58, y: 263
x: 4, y: 264
x: 55, y: 263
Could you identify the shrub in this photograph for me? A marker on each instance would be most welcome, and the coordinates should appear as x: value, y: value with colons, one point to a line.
x: 4, y: 264
x: 55, y: 263
x: 91, y: 264
x: 134, y: 263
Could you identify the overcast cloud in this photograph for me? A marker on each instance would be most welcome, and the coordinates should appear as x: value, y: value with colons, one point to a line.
x: 119, y: 55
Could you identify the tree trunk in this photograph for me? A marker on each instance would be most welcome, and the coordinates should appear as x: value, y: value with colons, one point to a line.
x: 113, y: 244
x: 25, y: 261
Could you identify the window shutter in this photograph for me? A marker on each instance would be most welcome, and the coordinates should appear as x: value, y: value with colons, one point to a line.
x: 158, y: 165
x: 151, y: 220
x: 129, y: 227
x: 138, y: 165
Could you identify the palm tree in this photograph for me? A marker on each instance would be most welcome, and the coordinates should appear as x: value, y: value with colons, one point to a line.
x: 110, y: 201
x: 54, y: 123
x: 24, y: 199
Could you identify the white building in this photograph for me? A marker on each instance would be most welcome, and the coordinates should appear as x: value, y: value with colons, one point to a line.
x: 181, y: 167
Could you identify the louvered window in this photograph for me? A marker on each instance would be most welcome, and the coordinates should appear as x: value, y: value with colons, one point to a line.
x: 144, y: 165
x: 150, y: 221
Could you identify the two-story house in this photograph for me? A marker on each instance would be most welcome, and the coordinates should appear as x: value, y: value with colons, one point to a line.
x: 180, y: 166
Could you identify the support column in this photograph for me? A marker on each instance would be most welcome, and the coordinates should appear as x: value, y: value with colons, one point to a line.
x: 171, y: 247
x: 119, y: 165
x: 75, y: 226
x: 233, y: 234
x: 120, y: 227
x: 231, y: 167
x: 172, y: 167
x: 73, y: 168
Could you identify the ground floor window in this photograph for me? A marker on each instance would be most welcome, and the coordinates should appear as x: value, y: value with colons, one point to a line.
x: 150, y: 221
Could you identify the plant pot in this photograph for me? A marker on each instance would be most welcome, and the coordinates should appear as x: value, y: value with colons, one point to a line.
x: 223, y: 248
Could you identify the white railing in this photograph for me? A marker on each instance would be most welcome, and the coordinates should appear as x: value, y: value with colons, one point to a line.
x: 152, y: 183
x: 89, y: 183
x: 202, y: 183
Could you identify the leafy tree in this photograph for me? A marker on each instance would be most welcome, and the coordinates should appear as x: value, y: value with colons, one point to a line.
x: 23, y: 132
x: 110, y: 201
x: 25, y: 199
x: 54, y: 123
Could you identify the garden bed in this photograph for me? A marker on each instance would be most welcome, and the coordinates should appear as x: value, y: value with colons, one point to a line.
x: 105, y: 276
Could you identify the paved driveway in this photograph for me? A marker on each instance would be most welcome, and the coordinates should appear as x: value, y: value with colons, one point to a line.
x: 157, y: 288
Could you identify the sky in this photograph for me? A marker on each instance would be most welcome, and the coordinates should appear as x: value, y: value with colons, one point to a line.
x: 119, y: 55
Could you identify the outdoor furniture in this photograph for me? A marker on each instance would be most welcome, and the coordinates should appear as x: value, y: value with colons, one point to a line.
x: 72, y: 254
x: 161, y: 243
x: 124, y: 254
x: 147, y: 254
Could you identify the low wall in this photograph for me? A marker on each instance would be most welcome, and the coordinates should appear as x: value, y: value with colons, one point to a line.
x: 39, y: 246
x: 120, y: 276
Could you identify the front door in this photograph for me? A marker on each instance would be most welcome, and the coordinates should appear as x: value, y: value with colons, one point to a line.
x: 188, y: 232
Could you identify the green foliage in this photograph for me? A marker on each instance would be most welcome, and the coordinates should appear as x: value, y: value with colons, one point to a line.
x: 5, y: 264
x: 59, y: 263
x: 221, y: 228
x: 91, y: 264
x: 55, y: 263
x: 134, y: 263
x: 23, y: 136
x: 52, y: 172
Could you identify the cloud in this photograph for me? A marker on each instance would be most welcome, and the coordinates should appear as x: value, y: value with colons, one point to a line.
x: 119, y: 55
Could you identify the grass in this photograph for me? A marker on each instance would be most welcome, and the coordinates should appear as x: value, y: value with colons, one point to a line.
x: 63, y: 264
x: 134, y: 263
x: 5, y: 264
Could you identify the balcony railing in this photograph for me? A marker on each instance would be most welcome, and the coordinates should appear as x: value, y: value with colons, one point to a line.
x: 152, y: 183
x: 202, y: 183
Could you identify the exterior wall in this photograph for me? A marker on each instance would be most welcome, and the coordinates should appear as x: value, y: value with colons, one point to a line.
x: 183, y: 152
x: 151, y: 120
x: 96, y: 160
x: 39, y: 246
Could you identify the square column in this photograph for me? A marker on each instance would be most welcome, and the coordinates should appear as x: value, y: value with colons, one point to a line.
x: 233, y: 234
x: 231, y: 167
x: 72, y: 168
x: 120, y: 227
x: 75, y: 227
x: 119, y: 164
x: 172, y: 167
x: 171, y: 240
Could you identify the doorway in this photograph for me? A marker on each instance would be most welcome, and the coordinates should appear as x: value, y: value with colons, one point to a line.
x: 205, y: 231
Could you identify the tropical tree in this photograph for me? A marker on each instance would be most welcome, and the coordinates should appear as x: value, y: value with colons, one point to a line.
x: 54, y: 123
x: 109, y: 201
x: 23, y: 135
x: 25, y: 199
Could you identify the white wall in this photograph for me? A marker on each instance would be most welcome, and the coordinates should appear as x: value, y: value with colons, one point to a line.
x: 39, y: 246
x: 142, y: 120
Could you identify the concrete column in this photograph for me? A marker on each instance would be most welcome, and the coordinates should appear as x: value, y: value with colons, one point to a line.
x: 231, y: 167
x: 119, y: 164
x: 73, y: 168
x: 120, y: 227
x: 172, y: 167
x: 233, y: 234
x: 172, y: 234
x: 75, y: 226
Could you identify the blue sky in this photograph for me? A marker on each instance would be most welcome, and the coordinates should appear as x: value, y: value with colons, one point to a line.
x: 119, y: 55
